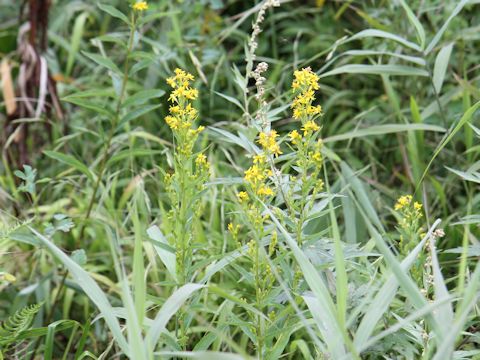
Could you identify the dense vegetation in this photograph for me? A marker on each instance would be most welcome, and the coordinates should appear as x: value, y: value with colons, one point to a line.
x: 225, y: 179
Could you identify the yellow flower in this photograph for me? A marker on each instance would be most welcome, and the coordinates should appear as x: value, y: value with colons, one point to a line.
x: 242, y: 196
x: 295, y: 137
x: 265, y: 190
x: 317, y: 156
x: 182, y: 113
x: 305, y: 84
x: 172, y: 121
x: 254, y: 174
x: 181, y: 85
x: 310, y: 126
x: 7, y: 277
x: 403, y: 201
x: 259, y: 159
x: 233, y: 229
x: 417, y: 206
x: 140, y: 6
x: 201, y: 159
x: 319, y: 185
x: 305, y: 79
x: 269, y: 143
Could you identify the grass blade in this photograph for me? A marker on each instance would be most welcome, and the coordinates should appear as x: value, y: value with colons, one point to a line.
x: 90, y: 287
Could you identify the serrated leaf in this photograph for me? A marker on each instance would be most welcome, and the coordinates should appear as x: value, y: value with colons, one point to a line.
x: 79, y: 256
x: 28, y: 176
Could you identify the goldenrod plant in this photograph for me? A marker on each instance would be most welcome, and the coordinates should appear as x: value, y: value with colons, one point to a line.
x: 186, y: 184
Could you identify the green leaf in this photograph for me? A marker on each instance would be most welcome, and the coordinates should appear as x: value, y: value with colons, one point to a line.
x: 138, y: 275
x: 469, y: 300
x: 464, y: 119
x: 169, y: 308
x: 385, y: 295
x: 382, y: 130
x: 75, y: 40
x: 114, y: 12
x: 412, y: 292
x: 91, y: 289
x: 28, y: 176
x: 444, y: 27
x: 167, y: 257
x: 132, y: 115
x: 143, y: 96
x: 49, y: 340
x: 103, y: 61
x: 132, y: 153
x: 468, y: 176
x: 341, y: 285
x: 61, y: 222
x: 328, y: 322
x: 79, y: 256
x: 384, y: 35
x: 415, y: 22
x: 17, y: 323
x: 89, y: 105
x: 361, y: 194
x: 231, y: 99
x: 440, y: 68
x: 90, y: 93
x: 398, y: 70
x: 71, y: 161
x: 444, y: 315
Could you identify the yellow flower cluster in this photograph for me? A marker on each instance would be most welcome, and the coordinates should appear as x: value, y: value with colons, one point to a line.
x: 405, y: 201
x: 409, y: 222
x: 305, y: 79
x: 182, y: 113
x: 304, y: 85
x: 309, y: 127
x: 181, y: 85
x: 140, y: 6
x: 268, y: 141
x: 233, y: 229
x: 242, y: 196
x: 295, y: 137
x: 201, y: 161
x: 4, y: 276
x: 256, y: 175
x: 411, y: 212
x: 265, y: 191
x: 316, y: 156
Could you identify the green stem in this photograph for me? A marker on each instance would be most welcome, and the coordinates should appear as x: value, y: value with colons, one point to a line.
x: 258, y: 293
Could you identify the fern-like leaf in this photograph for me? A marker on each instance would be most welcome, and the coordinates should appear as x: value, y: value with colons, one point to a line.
x: 16, y: 323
